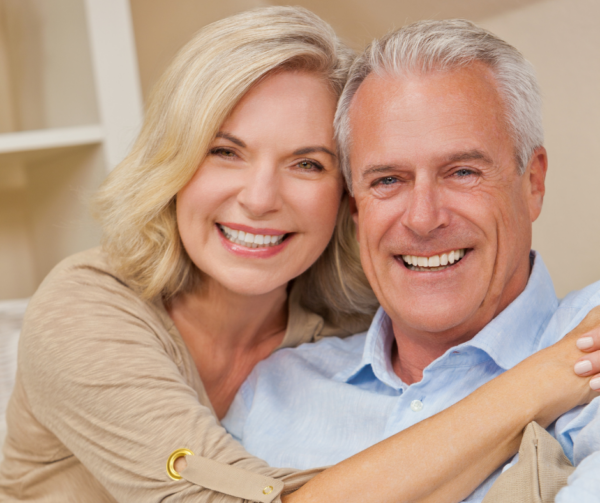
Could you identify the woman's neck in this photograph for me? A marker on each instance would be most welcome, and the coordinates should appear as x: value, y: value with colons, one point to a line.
x: 227, y: 334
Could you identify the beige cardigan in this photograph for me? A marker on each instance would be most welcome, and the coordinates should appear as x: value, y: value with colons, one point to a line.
x: 106, y: 390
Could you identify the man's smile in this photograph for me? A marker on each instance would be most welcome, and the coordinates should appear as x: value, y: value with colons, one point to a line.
x: 435, y: 262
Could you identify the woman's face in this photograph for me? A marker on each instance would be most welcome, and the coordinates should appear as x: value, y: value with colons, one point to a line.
x: 262, y: 206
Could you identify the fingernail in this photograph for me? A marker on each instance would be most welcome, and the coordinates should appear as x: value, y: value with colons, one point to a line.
x: 585, y: 343
x: 595, y: 384
x: 583, y: 367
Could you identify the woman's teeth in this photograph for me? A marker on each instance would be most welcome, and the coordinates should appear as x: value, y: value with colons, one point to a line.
x: 435, y: 263
x: 251, y: 240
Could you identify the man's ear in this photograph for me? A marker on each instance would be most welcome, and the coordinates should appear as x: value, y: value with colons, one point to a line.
x: 536, y: 174
x: 354, y: 213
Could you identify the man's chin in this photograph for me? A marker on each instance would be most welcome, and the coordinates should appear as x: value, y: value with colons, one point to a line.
x: 445, y: 322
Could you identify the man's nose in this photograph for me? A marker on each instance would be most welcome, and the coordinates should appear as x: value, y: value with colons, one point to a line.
x: 424, y: 212
x: 260, y: 192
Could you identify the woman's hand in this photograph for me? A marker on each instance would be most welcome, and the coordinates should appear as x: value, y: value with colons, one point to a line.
x: 589, y: 365
x: 550, y: 371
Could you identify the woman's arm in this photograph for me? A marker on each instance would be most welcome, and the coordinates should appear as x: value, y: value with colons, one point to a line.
x: 105, y: 385
x: 444, y: 458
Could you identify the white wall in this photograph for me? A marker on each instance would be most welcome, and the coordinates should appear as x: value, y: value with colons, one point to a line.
x: 562, y: 40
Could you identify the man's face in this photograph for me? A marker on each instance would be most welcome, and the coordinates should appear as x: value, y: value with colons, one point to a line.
x: 435, y: 180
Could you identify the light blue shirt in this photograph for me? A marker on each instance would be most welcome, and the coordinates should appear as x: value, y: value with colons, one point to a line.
x: 320, y: 403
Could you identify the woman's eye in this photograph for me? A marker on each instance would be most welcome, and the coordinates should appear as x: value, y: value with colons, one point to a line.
x: 223, y: 152
x: 307, y: 165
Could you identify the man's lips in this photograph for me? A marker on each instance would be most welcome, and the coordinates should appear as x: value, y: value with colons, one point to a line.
x: 434, y: 262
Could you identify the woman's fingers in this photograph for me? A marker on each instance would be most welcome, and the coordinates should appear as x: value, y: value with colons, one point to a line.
x: 588, y: 365
x: 589, y: 341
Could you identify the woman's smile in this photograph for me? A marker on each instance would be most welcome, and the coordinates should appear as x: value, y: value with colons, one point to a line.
x: 252, y: 245
x: 252, y: 238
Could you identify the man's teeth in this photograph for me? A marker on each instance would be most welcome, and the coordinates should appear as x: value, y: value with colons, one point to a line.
x: 251, y: 240
x: 436, y: 262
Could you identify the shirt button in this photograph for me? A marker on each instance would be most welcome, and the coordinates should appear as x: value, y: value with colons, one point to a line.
x: 416, y: 405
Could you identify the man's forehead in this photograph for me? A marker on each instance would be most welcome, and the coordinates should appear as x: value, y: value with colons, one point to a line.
x: 462, y: 109
x: 385, y: 89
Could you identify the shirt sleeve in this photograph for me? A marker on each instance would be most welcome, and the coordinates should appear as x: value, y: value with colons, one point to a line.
x: 581, y: 440
x: 98, y: 376
x: 584, y: 482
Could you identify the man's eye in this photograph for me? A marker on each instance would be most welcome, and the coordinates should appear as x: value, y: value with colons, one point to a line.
x: 463, y: 172
x: 388, y: 180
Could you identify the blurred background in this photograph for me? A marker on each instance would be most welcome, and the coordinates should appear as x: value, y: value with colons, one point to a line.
x: 74, y: 75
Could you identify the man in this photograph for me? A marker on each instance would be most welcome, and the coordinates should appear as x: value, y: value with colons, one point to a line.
x: 440, y: 127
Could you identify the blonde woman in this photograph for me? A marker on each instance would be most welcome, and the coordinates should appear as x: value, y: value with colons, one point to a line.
x: 227, y: 236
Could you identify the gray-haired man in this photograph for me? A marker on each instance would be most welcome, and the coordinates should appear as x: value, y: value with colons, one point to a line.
x: 440, y: 125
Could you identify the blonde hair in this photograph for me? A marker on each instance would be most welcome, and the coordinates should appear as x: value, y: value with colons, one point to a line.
x: 136, y: 203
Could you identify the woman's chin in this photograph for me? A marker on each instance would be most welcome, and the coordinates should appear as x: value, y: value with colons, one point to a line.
x: 252, y: 284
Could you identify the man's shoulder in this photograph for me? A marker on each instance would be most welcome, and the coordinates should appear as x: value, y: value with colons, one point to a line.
x: 570, y: 312
x: 579, y: 299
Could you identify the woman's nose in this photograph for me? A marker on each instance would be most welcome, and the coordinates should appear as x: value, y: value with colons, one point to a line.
x: 260, y: 193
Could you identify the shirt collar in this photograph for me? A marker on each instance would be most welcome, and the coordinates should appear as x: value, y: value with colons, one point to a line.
x: 509, y: 338
x: 513, y: 335
x: 376, y: 353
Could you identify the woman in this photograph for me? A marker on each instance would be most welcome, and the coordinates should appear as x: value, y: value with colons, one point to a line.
x: 218, y: 249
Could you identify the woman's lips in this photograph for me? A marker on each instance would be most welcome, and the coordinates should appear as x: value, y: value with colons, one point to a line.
x: 246, y: 244
x: 252, y: 230
x: 249, y: 239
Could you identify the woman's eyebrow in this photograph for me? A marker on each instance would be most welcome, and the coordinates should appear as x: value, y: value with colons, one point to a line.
x: 310, y: 150
x: 302, y: 151
x: 231, y: 138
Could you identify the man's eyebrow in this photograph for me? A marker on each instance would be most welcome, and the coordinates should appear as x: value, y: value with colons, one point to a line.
x: 376, y: 169
x: 471, y: 155
x: 310, y: 150
x: 231, y: 138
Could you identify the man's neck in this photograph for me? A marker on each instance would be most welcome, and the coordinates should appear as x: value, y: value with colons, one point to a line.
x: 411, y: 355
x: 413, y: 350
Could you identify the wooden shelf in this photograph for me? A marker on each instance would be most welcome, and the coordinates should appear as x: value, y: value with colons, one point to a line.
x: 26, y: 141
x: 70, y: 107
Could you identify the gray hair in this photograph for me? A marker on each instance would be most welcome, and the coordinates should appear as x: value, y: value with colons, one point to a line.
x: 427, y: 46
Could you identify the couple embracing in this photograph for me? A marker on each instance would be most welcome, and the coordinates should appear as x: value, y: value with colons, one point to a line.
x: 370, y: 219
